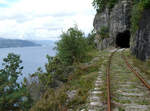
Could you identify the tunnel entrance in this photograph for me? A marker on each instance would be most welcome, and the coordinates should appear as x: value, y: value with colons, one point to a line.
x: 123, y: 39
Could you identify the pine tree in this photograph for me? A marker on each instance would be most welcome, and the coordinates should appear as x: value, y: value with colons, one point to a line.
x: 13, y: 96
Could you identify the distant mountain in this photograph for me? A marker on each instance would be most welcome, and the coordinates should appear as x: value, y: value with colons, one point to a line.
x: 6, y: 43
x: 45, y: 42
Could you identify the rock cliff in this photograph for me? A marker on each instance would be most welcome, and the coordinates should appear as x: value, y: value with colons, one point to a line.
x: 118, y: 21
x: 141, y: 41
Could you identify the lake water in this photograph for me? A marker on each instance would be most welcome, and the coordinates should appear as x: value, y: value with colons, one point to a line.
x: 32, y: 57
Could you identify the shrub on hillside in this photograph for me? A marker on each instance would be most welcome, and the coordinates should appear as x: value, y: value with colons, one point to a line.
x: 72, y: 47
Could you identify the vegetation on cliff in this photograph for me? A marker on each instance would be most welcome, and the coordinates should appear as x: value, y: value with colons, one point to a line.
x: 138, y: 8
x: 100, y: 5
x: 69, y: 75
x: 103, y: 32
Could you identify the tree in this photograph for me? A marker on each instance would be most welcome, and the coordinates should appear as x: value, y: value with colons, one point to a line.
x: 72, y: 47
x: 91, y: 38
x: 13, y: 96
x: 100, y: 5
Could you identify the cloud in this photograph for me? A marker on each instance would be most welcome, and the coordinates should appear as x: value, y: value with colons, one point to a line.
x: 6, y: 3
x: 43, y: 19
x: 3, y: 2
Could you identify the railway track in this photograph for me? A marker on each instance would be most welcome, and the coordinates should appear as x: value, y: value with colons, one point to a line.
x: 109, y: 82
x: 136, y: 73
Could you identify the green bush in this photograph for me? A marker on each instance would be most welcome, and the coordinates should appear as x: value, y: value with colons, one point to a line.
x: 139, y: 6
x: 146, y: 4
x: 90, y: 39
x: 72, y: 47
x: 52, y: 100
x: 104, y: 32
x: 136, y: 15
x: 100, y: 5
x: 112, y: 3
x: 55, y: 71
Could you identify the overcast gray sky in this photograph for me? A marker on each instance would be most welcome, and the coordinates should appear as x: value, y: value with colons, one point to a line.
x: 44, y: 19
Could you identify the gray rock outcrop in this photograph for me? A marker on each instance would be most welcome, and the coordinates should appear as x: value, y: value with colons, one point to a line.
x: 141, y: 41
x: 117, y: 20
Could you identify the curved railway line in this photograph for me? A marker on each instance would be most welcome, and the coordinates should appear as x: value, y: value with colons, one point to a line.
x: 108, y: 73
x: 108, y: 82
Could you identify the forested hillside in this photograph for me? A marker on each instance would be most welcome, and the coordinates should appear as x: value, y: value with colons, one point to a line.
x: 6, y: 43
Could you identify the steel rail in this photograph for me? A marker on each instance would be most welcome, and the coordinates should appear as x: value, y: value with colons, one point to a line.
x: 108, y: 82
x: 136, y: 73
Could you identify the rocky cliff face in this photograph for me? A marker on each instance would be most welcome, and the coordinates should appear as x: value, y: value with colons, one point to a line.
x: 141, y: 41
x: 117, y: 20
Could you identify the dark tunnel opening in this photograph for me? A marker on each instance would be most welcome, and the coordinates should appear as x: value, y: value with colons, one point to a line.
x: 123, y: 39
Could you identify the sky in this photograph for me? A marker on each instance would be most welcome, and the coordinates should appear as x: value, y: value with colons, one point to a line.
x: 44, y: 19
